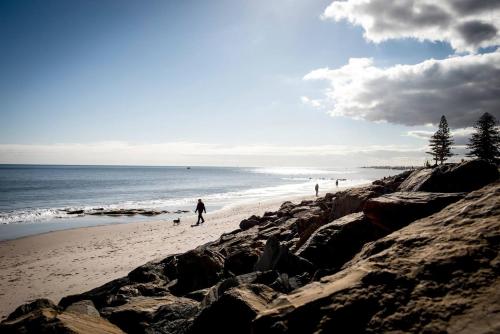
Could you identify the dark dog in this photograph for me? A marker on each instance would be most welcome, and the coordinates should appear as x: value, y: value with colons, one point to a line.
x: 177, y: 221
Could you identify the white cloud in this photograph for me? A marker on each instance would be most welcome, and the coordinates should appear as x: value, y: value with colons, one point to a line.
x: 465, y: 24
x: 460, y: 136
x: 188, y: 153
x: 462, y: 88
x: 420, y: 134
x: 313, y: 103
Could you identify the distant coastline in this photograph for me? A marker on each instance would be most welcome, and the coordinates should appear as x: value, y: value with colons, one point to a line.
x: 391, y: 167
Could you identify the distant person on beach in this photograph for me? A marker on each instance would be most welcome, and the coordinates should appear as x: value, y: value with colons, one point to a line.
x: 337, y: 183
x: 316, y: 187
x: 200, y: 208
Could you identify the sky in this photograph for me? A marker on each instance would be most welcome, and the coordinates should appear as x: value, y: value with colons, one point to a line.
x: 242, y: 83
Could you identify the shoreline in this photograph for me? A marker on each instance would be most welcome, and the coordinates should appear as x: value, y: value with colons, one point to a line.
x: 70, y: 261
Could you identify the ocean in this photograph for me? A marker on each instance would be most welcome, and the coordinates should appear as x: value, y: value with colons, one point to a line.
x: 37, y: 198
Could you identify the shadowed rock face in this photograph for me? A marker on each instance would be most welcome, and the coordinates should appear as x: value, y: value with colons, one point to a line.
x: 335, y: 243
x: 325, y: 265
x: 464, y: 177
x: 439, y: 274
x: 234, y: 311
x: 42, y: 316
x: 353, y: 200
x: 393, y: 211
x: 141, y: 314
x: 198, y: 269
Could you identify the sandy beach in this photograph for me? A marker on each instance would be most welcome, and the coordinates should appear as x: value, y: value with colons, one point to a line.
x: 56, y: 264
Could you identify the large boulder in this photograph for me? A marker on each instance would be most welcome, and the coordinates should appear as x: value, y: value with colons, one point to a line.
x: 309, y: 221
x: 278, y: 257
x: 215, y: 292
x: 241, y: 261
x: 393, y: 211
x: 198, y: 269
x: 83, y: 307
x: 234, y: 311
x: 109, y: 294
x: 335, y: 243
x: 37, y: 304
x: 42, y: 316
x: 141, y: 314
x: 149, y: 272
x: 437, y: 275
x: 353, y: 200
x: 463, y: 177
x: 391, y: 183
x: 250, y: 222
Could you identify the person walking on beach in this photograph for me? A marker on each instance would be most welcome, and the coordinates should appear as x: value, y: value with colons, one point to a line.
x: 316, y: 187
x: 200, y: 208
x: 337, y: 183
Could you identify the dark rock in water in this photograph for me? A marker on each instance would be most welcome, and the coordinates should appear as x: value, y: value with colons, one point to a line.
x: 334, y: 244
x: 75, y: 212
x: 278, y: 257
x: 42, y: 316
x: 198, y: 269
x: 125, y: 212
x: 142, y: 314
x: 396, y: 210
x: 234, y: 311
x: 464, y: 177
x: 242, y: 261
x: 437, y: 275
x: 353, y: 200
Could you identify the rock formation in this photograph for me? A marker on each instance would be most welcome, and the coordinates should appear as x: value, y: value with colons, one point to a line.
x: 417, y: 252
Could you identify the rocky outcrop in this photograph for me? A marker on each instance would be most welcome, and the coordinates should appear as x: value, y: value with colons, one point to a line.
x: 143, y: 314
x: 392, y: 183
x: 393, y: 211
x: 234, y: 311
x: 198, y: 269
x: 464, y: 177
x: 42, y: 316
x: 437, y: 275
x: 278, y: 257
x: 335, y: 243
x: 245, y: 224
x: 368, y: 259
x: 353, y: 200
x: 241, y: 261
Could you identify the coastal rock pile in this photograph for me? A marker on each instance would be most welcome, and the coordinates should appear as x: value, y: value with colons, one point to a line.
x: 410, y: 253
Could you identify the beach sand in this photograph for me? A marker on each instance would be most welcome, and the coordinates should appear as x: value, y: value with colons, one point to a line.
x: 56, y: 264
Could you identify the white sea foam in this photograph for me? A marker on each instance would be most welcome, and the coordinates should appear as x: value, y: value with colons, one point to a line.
x: 215, y: 200
x: 30, y: 215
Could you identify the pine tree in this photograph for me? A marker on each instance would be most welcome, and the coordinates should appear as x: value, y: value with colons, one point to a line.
x: 441, y: 142
x: 485, y: 141
x: 434, y: 147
